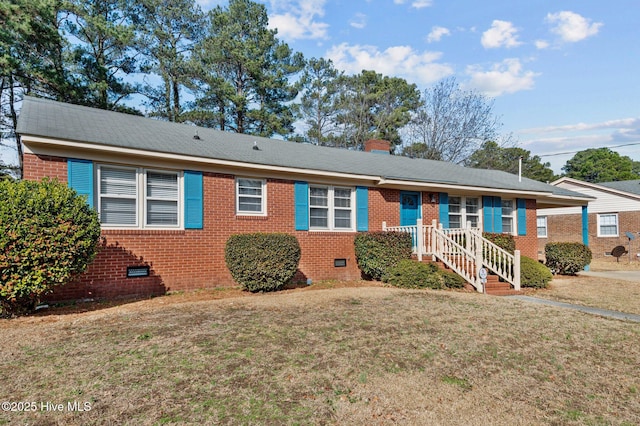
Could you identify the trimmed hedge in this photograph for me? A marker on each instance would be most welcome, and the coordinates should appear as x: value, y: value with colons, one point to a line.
x: 262, y: 262
x: 567, y: 258
x: 376, y: 252
x: 48, y: 234
x: 505, y: 241
x: 534, y: 274
x: 408, y: 273
x: 452, y: 280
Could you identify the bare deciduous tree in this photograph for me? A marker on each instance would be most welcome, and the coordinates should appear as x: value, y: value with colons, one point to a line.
x: 451, y: 124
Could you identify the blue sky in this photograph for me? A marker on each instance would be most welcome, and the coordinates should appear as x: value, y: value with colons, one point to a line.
x: 564, y: 74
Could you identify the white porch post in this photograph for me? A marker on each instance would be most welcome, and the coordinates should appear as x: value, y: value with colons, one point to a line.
x: 384, y: 226
x: 419, y: 239
x: 516, y: 270
x: 479, y: 259
x: 433, y: 239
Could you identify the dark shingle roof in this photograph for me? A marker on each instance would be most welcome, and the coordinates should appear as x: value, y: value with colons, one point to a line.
x: 630, y: 186
x: 46, y: 118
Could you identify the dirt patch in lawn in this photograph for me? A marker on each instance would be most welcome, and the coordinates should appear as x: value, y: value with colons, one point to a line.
x: 358, y: 355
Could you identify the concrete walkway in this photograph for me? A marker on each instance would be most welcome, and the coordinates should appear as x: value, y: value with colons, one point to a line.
x: 617, y: 275
x: 595, y: 311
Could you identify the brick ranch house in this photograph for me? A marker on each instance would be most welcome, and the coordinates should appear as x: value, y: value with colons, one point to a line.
x: 170, y: 195
x: 614, y: 210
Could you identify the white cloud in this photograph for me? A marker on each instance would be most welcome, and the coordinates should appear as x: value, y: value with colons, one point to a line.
x: 507, y: 76
x: 437, y: 33
x: 501, y: 34
x: 359, y: 21
x: 541, y: 44
x: 419, y: 4
x: 572, y: 27
x: 400, y: 61
x: 298, y: 19
x: 620, y: 124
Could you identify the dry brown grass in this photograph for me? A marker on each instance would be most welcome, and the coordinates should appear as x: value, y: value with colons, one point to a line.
x: 362, y: 355
x: 611, y: 264
x: 617, y: 295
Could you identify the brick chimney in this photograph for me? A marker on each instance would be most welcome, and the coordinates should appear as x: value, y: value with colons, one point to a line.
x: 377, y: 146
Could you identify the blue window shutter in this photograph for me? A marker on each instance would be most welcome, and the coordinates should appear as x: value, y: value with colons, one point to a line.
x: 193, y: 200
x: 443, y: 199
x: 487, y: 213
x: 301, y: 201
x: 522, y: 216
x: 80, y: 178
x: 362, y: 208
x: 497, y: 215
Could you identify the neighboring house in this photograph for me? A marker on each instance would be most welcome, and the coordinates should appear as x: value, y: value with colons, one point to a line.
x: 603, y: 224
x: 170, y: 195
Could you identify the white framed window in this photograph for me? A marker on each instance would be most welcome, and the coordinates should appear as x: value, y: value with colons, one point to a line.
x: 118, y: 196
x: 331, y: 208
x: 251, y: 197
x: 131, y: 197
x: 161, y: 198
x: 541, y: 222
x: 608, y: 225
x: 508, y: 220
x: 463, y: 210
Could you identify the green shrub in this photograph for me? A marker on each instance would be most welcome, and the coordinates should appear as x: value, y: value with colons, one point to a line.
x: 451, y: 279
x: 409, y: 273
x: 567, y: 258
x: 504, y: 241
x: 534, y: 274
x: 378, y: 251
x: 48, y: 234
x: 262, y: 262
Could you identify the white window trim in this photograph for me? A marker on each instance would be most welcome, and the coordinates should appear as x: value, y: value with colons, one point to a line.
x: 263, y: 197
x: 463, y: 210
x: 617, y: 234
x: 513, y: 216
x: 546, y: 227
x: 141, y: 198
x: 331, y: 209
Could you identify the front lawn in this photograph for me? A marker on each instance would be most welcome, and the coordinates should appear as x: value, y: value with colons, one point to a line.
x: 364, y: 355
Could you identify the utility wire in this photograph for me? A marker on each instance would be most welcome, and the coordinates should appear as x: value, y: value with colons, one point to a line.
x: 575, y: 152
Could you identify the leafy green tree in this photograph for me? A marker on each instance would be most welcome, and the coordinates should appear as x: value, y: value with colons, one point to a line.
x: 102, y: 54
x: 600, y: 165
x: 318, y: 104
x: 494, y: 157
x: 31, y: 61
x: 48, y: 234
x: 373, y: 106
x: 451, y: 124
x: 244, y: 79
x: 167, y: 32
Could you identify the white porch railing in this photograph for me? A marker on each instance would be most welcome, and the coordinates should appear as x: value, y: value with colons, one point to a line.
x: 465, y: 251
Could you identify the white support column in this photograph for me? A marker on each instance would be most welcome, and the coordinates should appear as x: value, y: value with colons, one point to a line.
x: 419, y: 239
x: 479, y: 261
x: 432, y: 239
x: 384, y: 226
x: 516, y: 270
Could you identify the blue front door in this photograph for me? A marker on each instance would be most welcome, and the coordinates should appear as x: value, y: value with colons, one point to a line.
x: 409, y: 208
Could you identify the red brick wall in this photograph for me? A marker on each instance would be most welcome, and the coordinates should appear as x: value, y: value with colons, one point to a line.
x: 528, y: 244
x: 192, y: 259
x: 568, y: 228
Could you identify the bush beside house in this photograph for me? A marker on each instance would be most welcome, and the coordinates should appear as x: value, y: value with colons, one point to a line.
x: 533, y: 273
x: 567, y: 258
x: 376, y: 252
x: 262, y: 262
x: 48, y: 234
